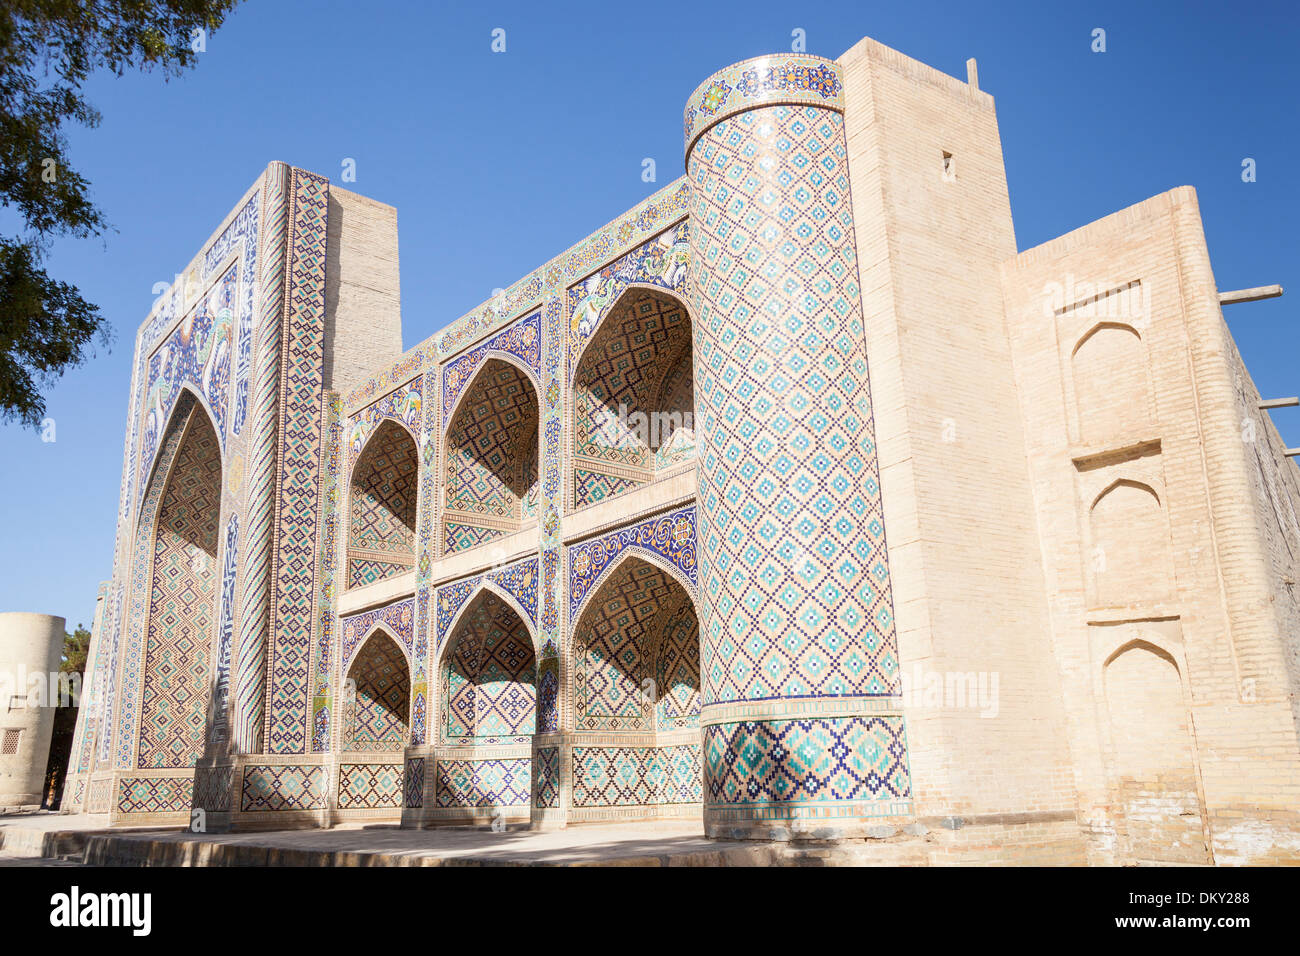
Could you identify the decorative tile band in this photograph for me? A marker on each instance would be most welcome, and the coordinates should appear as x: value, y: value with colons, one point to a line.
x: 670, y: 536
x: 300, y: 438
x: 630, y: 229
x: 762, y: 81
x: 276, y: 788
x: 154, y: 794
x: 249, y: 677
x: 786, y: 764
x: 370, y: 786
x: 414, y: 784
x: 636, y: 776
x: 482, y: 783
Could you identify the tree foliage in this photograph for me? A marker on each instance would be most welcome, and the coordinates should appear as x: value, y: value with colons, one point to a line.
x: 76, y: 645
x: 48, y: 49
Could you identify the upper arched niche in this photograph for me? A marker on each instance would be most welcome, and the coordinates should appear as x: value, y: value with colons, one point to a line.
x: 634, y: 396
x: 491, y: 474
x: 488, y: 674
x: 1130, y: 559
x: 381, y: 524
x: 1111, y: 392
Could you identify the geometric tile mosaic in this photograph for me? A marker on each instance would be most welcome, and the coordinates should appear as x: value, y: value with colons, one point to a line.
x: 182, y: 606
x: 519, y: 580
x: 617, y: 645
x: 402, y: 404
x: 639, y: 357
x: 491, y: 467
x: 636, y: 776
x: 661, y: 262
x: 791, y: 534
x: 548, y: 778
x: 380, y: 679
x: 414, y: 782
x: 154, y: 795
x: 670, y: 536
x: 381, y: 536
x: 489, y: 677
x: 809, y: 761
x: 282, y: 788
x: 522, y: 340
x: 197, y: 354
x: 483, y: 783
x: 398, y: 618
x: 369, y: 786
x: 300, y: 437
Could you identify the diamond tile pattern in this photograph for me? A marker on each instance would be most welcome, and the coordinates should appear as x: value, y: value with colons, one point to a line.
x: 370, y: 786
x: 792, y: 545
x: 491, y: 676
x: 639, y: 627
x: 492, y: 460
x: 384, y: 494
x: 378, y: 715
x: 182, y: 604
x: 636, y: 776
x: 639, y: 357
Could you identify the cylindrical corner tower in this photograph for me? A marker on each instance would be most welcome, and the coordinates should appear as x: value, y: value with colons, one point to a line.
x: 802, y: 715
x: 31, y: 647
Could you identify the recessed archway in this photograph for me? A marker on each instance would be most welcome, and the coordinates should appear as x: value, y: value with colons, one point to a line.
x: 634, y: 396
x: 488, y: 675
x: 636, y: 667
x: 491, y: 475
x: 378, y: 696
x: 384, y: 489
x: 1152, y: 762
x: 182, y: 600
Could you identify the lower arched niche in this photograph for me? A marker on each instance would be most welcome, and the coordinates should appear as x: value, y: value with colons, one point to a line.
x: 636, y: 668
x: 487, y: 715
x: 1152, y: 768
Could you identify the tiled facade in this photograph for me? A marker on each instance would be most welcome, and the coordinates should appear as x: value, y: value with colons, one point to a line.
x: 691, y: 520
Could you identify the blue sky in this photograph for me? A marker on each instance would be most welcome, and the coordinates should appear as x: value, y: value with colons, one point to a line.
x: 496, y: 162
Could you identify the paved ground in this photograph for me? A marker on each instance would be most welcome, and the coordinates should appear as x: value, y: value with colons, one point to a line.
x: 39, y: 839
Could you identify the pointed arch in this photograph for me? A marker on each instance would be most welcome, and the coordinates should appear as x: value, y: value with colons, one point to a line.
x: 1100, y: 327
x: 487, y: 585
x: 1125, y: 483
x: 376, y: 627
x: 182, y: 407
x: 499, y: 355
x: 617, y: 643
x: 628, y: 553
x: 619, y: 423
x: 182, y: 610
x: 382, y: 497
x: 492, y: 474
x: 1151, y: 756
x: 1111, y: 381
x: 1131, y: 559
x: 377, y: 705
x: 487, y: 673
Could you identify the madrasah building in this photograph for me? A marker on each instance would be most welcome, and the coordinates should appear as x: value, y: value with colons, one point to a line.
x: 797, y: 500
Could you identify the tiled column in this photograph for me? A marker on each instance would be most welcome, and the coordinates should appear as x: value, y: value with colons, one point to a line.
x: 802, y: 718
